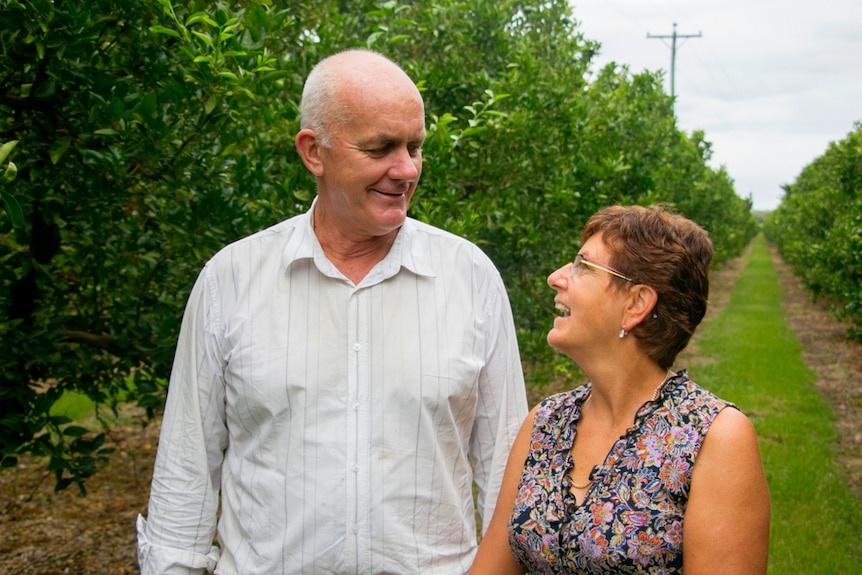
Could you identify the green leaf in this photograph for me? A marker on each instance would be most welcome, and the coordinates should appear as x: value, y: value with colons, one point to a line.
x: 6, y: 149
x: 10, y: 172
x: 167, y: 6
x: 201, y: 17
x: 75, y: 431
x: 303, y: 195
x: 13, y: 208
x: 165, y: 31
x: 209, y: 105
x: 276, y: 75
x: 62, y: 482
x: 205, y: 37
x: 372, y: 38
x: 59, y: 148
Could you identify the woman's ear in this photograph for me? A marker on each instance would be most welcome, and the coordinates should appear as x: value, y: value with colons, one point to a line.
x: 642, y: 300
x: 308, y: 146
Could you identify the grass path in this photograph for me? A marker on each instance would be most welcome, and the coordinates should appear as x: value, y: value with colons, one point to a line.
x: 750, y: 356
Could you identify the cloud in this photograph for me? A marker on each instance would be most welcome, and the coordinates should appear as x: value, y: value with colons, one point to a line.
x: 771, y: 83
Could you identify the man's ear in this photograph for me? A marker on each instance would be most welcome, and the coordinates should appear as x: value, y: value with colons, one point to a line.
x: 642, y: 300
x: 308, y: 147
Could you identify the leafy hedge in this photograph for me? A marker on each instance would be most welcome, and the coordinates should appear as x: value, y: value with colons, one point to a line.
x: 151, y: 134
x: 818, y: 228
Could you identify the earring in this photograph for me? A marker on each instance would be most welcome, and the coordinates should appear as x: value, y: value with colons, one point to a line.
x: 622, y: 333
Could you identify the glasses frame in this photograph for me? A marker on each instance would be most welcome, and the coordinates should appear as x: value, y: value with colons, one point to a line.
x: 582, y: 259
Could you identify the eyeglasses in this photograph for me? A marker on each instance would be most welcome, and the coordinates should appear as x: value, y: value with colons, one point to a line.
x: 582, y: 259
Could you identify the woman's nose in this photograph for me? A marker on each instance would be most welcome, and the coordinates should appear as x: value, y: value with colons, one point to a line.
x: 558, y: 276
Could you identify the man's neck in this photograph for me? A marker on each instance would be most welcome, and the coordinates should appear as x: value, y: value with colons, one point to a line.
x: 354, y: 257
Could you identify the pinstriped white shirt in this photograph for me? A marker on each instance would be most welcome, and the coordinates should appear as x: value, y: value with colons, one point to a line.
x: 333, y: 427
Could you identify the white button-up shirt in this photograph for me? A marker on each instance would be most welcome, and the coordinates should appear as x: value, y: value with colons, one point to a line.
x: 338, y: 427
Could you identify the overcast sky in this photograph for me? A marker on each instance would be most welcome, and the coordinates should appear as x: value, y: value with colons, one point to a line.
x: 770, y: 82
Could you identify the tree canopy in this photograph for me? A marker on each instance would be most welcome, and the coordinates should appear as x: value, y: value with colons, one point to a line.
x: 818, y: 228
x: 149, y: 134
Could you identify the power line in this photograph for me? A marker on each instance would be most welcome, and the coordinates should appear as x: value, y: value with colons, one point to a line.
x: 673, y: 38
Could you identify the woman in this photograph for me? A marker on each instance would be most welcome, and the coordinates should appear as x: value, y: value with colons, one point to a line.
x: 620, y: 475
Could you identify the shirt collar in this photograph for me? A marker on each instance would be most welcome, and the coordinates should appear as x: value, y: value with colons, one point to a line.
x: 408, y: 251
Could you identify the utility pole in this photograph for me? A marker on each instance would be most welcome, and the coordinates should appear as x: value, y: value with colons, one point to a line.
x: 673, y: 38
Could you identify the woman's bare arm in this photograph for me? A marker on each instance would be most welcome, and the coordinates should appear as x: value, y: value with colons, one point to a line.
x: 726, y: 525
x: 494, y: 556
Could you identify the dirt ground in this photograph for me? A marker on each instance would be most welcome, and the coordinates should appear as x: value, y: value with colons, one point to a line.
x: 837, y: 363
x: 48, y: 533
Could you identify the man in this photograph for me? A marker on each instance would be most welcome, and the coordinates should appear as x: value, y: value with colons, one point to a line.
x: 342, y: 377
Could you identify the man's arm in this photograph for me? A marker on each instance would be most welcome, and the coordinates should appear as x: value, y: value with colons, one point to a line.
x: 502, y: 404
x: 177, y: 536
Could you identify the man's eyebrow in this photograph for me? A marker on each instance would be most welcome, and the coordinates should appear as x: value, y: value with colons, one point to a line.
x: 376, y: 141
x: 388, y: 141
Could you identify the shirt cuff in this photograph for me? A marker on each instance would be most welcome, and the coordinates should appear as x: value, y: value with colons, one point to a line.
x: 162, y: 560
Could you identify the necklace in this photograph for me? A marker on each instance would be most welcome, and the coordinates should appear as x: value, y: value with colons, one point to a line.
x: 575, y: 485
x: 583, y: 405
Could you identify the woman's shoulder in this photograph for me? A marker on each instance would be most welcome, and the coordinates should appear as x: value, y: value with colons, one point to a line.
x: 691, y: 397
x: 560, y: 406
x: 565, y: 399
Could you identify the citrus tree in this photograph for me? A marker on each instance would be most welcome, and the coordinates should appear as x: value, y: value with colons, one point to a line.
x: 818, y: 228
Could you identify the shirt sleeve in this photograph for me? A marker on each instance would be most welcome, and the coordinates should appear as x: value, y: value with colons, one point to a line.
x: 177, y: 536
x: 502, y: 404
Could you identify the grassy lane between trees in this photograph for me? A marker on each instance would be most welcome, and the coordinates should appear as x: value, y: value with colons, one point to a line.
x: 753, y: 359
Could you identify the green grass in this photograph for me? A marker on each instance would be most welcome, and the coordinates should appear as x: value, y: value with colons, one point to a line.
x: 816, y: 520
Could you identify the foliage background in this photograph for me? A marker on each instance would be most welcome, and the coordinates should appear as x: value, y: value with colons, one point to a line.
x: 818, y: 228
x: 150, y: 134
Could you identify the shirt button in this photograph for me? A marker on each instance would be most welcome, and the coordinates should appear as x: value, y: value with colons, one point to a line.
x: 356, y: 347
x: 356, y: 406
x: 355, y: 467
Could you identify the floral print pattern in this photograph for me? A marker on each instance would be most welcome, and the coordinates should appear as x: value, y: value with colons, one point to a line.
x: 631, y: 518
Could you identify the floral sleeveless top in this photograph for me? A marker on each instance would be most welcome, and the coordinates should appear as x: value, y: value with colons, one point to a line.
x: 631, y: 518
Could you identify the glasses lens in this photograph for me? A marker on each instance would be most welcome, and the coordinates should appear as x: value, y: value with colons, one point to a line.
x: 576, y: 264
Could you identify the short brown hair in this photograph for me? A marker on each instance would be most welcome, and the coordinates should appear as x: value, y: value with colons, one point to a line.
x: 669, y: 253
